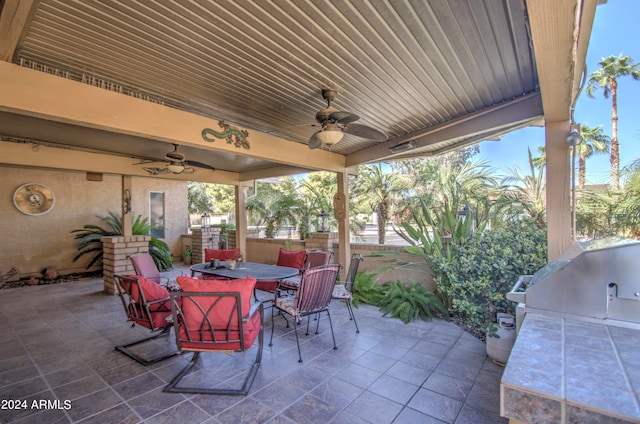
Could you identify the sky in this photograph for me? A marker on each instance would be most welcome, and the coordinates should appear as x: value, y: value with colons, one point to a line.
x: 615, y: 31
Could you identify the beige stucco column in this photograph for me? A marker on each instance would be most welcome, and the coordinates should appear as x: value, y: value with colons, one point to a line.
x: 241, y: 218
x: 127, y: 215
x: 558, y: 189
x: 341, y: 214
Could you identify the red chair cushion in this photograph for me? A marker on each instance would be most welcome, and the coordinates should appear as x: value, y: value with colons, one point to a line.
x: 251, y: 331
x: 221, y: 255
x: 293, y: 259
x: 192, y: 337
x: 243, y: 286
x: 269, y: 286
x: 152, y: 291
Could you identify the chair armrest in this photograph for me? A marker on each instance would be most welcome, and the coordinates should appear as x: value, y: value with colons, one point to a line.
x: 164, y: 299
x: 254, y: 307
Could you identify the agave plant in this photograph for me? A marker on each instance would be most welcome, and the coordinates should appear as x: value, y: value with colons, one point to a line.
x: 90, y: 240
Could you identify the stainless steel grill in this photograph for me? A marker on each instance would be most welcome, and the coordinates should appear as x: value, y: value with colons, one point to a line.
x: 598, y: 279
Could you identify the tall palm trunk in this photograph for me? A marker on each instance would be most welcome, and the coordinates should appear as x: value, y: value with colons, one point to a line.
x: 582, y: 169
x: 615, y: 149
x: 382, y: 212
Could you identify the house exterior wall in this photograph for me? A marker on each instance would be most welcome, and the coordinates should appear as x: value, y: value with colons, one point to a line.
x: 33, y: 243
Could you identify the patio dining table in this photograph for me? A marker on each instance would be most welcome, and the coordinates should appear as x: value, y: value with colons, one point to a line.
x: 261, y: 272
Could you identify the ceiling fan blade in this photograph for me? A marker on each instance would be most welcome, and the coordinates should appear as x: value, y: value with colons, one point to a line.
x: 343, y: 117
x: 314, y: 141
x: 365, y: 132
x: 200, y: 165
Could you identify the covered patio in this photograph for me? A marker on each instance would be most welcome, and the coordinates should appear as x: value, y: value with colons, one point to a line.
x: 58, y: 345
x: 96, y: 92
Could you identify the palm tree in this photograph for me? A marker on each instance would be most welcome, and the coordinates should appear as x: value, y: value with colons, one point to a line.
x: 593, y: 141
x: 378, y: 189
x: 606, y: 77
x: 529, y: 190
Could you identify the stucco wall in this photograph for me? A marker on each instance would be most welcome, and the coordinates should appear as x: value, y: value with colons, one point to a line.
x: 265, y: 250
x: 32, y: 243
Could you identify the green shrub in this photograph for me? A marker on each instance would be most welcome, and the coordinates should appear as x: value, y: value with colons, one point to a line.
x: 409, y: 303
x: 366, y: 290
x: 474, y: 280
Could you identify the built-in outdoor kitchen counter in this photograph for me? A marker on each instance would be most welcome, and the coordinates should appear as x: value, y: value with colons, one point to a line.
x: 576, y: 358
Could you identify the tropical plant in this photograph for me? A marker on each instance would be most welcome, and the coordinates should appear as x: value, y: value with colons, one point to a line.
x: 409, y: 303
x: 529, y: 191
x: 596, y: 213
x: 272, y: 206
x: 606, y: 77
x: 432, y: 235
x: 90, y: 240
x: 593, y: 141
x: 366, y: 290
x: 380, y: 190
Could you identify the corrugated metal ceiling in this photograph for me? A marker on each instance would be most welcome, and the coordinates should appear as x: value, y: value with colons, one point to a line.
x: 402, y: 66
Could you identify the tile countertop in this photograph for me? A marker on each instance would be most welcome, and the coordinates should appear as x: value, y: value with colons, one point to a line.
x: 566, y: 369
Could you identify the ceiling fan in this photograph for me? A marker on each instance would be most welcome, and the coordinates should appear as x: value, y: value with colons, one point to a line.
x: 336, y: 123
x: 177, y: 164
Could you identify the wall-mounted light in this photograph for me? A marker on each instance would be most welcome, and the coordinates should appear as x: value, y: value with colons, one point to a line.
x: 574, y: 138
x: 403, y: 147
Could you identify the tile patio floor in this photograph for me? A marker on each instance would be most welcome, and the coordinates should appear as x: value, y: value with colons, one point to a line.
x: 57, y: 342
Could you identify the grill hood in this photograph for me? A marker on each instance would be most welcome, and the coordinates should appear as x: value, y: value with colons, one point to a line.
x: 597, y: 279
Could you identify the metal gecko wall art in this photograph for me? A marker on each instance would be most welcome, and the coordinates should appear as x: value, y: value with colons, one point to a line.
x: 232, y: 134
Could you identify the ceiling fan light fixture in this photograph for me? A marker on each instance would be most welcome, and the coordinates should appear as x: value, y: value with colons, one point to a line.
x: 330, y: 134
x: 176, y: 168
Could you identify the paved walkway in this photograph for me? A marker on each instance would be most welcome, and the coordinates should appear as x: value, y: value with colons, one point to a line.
x: 57, y: 343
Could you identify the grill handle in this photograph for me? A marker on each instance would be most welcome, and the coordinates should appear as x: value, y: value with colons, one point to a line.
x: 519, y: 296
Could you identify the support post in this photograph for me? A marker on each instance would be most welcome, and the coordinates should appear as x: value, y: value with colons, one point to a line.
x: 341, y: 214
x: 241, y: 218
x: 558, y: 187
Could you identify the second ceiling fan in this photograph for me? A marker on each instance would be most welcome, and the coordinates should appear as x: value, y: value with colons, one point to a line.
x: 336, y: 123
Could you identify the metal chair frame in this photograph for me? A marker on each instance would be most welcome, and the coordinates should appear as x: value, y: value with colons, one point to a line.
x: 315, y: 258
x: 350, y: 278
x: 312, y: 297
x: 138, y: 313
x: 144, y: 266
x: 208, y: 329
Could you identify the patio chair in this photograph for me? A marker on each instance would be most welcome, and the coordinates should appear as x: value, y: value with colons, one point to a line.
x: 293, y: 259
x: 343, y: 291
x: 145, y: 266
x: 145, y: 303
x: 216, y: 316
x: 221, y: 255
x: 314, y: 259
x: 312, y: 297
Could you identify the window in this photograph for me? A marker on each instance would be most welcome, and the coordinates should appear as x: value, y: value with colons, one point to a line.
x: 156, y: 214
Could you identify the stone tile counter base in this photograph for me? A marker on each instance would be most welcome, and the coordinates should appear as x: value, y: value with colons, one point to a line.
x: 566, y: 369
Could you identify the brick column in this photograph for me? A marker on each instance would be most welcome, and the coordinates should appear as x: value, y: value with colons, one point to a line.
x: 116, y: 251
x: 322, y: 241
x: 200, y: 240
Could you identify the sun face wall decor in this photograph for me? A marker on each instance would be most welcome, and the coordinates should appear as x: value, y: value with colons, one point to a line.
x: 34, y: 199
